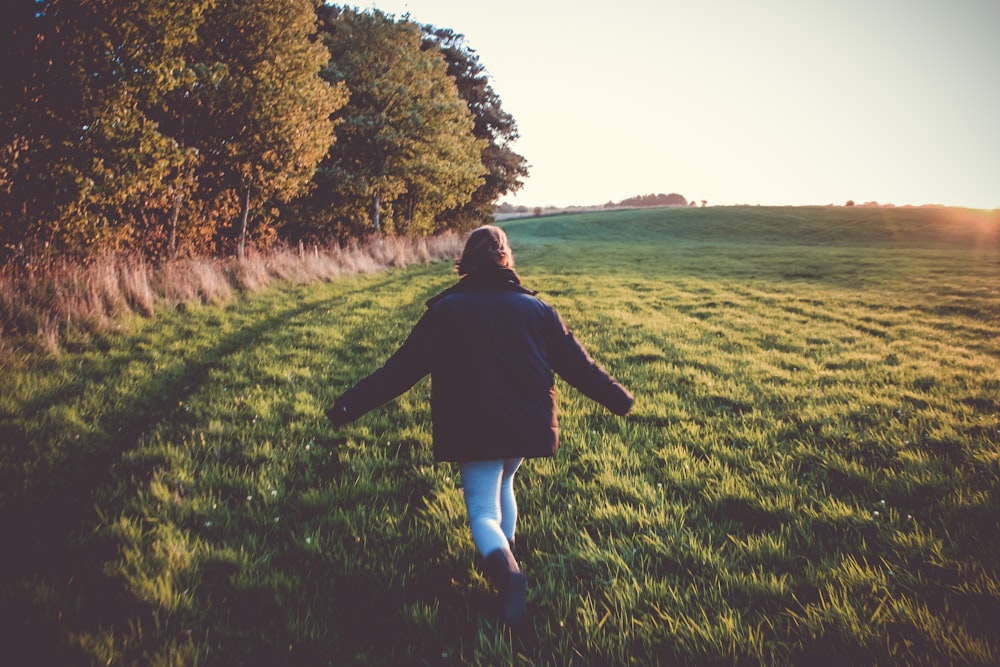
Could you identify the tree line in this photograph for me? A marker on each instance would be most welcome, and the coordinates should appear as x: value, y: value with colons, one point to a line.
x: 184, y: 127
x: 650, y: 200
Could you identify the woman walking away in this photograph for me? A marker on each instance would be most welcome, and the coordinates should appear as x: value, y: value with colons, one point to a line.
x: 491, y: 348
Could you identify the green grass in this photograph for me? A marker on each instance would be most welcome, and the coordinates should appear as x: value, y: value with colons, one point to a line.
x: 811, y: 474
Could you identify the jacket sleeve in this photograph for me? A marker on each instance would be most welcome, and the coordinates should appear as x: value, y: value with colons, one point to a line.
x: 404, y: 368
x: 570, y: 360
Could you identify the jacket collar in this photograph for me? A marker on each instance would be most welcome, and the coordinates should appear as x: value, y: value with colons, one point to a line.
x: 498, y: 278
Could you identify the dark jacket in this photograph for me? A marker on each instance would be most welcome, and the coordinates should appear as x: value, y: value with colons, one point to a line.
x: 491, y: 348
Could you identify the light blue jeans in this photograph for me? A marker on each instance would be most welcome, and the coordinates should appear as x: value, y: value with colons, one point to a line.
x: 488, y: 487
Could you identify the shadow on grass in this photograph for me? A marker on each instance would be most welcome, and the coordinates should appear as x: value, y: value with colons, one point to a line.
x: 53, y: 578
x: 53, y: 581
x: 58, y: 581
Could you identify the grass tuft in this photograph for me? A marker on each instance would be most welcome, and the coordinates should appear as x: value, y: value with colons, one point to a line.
x: 44, y: 306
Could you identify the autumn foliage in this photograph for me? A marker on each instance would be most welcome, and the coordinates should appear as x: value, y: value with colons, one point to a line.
x: 208, y: 127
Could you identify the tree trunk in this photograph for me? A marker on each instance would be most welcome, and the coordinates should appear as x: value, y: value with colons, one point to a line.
x: 377, y: 212
x: 241, y: 246
x: 411, y: 209
x: 175, y: 214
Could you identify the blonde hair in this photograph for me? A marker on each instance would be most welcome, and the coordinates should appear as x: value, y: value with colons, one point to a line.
x: 487, y: 247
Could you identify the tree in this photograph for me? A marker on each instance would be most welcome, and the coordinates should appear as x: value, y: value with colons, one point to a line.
x: 267, y: 122
x: 146, y: 51
x: 85, y: 156
x: 52, y: 100
x: 25, y: 45
x: 504, y: 167
x: 405, y: 149
x: 673, y: 199
x: 170, y: 127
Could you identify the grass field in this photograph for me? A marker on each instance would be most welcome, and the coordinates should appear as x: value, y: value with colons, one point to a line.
x: 810, y: 476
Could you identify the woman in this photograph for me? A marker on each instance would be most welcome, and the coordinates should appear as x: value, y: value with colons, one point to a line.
x: 491, y: 348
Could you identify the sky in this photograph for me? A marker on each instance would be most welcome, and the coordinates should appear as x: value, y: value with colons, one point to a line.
x: 735, y: 102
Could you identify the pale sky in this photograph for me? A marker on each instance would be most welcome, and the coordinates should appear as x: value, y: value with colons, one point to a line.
x: 743, y: 102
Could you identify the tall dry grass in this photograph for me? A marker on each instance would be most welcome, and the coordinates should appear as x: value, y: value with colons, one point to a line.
x: 44, y: 306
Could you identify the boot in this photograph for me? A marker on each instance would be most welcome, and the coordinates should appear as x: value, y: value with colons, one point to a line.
x: 502, y: 570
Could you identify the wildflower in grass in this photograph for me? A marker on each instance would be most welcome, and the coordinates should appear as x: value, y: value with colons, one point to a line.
x: 492, y: 348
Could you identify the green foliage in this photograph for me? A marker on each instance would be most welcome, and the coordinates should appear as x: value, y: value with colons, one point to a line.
x: 89, y: 165
x: 196, y: 128
x: 810, y: 475
x: 405, y: 151
x: 496, y: 127
x: 268, y: 118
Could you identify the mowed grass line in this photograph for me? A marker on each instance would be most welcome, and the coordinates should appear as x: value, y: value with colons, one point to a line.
x: 810, y: 474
